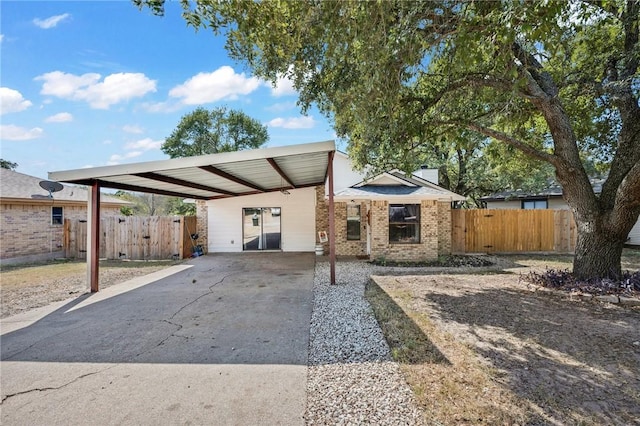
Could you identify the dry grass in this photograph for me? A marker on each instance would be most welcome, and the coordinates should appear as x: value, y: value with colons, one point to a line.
x: 488, y: 349
x: 630, y: 260
x: 450, y: 383
x: 30, y: 286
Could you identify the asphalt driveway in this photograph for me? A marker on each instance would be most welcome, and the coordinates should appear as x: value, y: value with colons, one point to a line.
x: 222, y: 340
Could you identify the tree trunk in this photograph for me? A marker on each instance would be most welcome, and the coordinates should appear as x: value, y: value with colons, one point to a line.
x: 597, y: 256
x: 599, y: 246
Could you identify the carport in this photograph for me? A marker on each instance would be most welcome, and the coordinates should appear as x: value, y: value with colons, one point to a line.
x: 209, y: 177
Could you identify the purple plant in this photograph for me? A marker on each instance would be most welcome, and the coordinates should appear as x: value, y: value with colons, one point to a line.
x: 627, y: 282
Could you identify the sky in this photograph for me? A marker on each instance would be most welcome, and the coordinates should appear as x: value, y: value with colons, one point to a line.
x: 95, y: 83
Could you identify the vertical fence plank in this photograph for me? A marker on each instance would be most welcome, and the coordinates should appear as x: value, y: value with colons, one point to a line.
x: 458, y: 230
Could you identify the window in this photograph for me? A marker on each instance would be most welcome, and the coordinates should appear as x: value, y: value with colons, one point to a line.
x: 534, y: 204
x: 404, y: 223
x: 353, y: 222
x: 56, y: 215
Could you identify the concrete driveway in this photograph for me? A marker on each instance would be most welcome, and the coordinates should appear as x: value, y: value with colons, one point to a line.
x: 223, y: 340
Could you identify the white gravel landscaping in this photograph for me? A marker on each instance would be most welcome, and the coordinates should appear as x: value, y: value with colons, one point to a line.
x: 351, y: 377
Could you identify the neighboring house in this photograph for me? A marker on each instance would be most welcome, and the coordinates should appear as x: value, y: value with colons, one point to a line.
x: 550, y: 198
x: 31, y: 223
x: 390, y: 216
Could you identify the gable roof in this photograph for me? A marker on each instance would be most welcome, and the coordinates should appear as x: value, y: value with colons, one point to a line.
x: 398, y: 185
x: 18, y: 186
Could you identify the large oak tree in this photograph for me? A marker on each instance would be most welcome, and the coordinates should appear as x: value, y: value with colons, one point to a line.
x: 556, y: 80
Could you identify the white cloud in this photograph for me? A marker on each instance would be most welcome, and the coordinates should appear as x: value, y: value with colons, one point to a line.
x: 132, y: 128
x: 61, y: 117
x: 293, y: 122
x: 1, y: 38
x: 283, y: 87
x: 51, y: 22
x: 161, y: 106
x: 281, y: 106
x: 12, y: 101
x: 15, y: 133
x: 223, y: 83
x: 115, y: 88
x: 146, y: 144
x: 117, y: 158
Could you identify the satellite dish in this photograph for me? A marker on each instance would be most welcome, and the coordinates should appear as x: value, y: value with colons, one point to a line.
x: 50, y: 186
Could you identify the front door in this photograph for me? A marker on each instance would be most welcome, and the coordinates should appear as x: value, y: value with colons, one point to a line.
x: 261, y: 228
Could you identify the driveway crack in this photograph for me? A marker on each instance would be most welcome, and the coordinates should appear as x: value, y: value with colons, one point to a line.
x: 200, y: 297
x: 50, y: 388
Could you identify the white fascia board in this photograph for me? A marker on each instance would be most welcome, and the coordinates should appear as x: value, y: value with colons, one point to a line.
x: 398, y: 198
x: 197, y: 161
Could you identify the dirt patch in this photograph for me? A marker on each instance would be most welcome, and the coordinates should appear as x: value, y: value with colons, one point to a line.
x: 27, y: 287
x: 510, y: 354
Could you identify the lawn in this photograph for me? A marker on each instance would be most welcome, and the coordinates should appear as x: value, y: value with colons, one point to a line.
x: 30, y: 286
x: 491, y: 349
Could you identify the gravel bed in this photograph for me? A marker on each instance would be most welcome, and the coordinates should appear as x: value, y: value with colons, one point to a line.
x: 351, y: 377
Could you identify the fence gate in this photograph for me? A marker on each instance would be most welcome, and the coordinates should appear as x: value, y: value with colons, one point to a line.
x: 510, y: 231
x: 134, y: 237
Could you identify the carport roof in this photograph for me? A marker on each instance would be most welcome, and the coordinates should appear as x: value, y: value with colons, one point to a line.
x: 208, y: 177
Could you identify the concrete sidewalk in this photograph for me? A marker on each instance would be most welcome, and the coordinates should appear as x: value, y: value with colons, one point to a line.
x: 222, y: 342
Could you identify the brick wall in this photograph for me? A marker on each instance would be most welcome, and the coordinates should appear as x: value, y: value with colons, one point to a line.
x: 202, y: 213
x: 26, y: 229
x: 346, y: 247
x: 444, y: 228
x: 322, y: 216
x: 431, y: 230
x: 435, y: 230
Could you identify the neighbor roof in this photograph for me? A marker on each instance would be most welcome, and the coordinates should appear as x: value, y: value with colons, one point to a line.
x: 18, y: 186
x: 552, y: 191
x: 395, y: 184
x: 217, y: 175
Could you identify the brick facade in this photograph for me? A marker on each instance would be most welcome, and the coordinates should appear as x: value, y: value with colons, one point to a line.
x: 444, y: 228
x: 346, y: 247
x: 435, y: 230
x: 202, y: 213
x: 322, y: 216
x: 26, y: 229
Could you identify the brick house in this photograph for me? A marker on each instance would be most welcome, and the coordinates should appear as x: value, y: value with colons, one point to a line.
x: 31, y: 223
x: 275, y: 199
x: 391, y: 216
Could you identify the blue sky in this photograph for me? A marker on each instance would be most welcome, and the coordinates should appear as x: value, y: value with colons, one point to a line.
x: 88, y: 83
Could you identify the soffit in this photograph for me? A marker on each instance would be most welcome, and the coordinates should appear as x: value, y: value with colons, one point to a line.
x: 217, y: 175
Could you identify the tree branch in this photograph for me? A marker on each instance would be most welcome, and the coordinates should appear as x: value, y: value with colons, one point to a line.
x: 516, y: 143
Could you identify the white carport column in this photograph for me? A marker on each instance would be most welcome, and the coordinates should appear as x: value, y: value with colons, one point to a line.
x: 93, y: 236
x: 332, y: 221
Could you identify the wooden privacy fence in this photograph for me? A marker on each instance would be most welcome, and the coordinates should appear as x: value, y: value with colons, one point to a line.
x: 510, y: 231
x: 134, y: 237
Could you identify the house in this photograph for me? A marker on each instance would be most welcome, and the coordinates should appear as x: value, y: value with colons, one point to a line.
x: 549, y: 198
x: 391, y: 216
x: 277, y: 199
x: 31, y: 221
